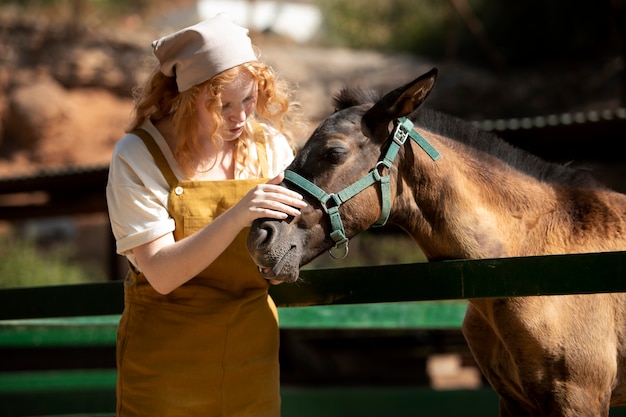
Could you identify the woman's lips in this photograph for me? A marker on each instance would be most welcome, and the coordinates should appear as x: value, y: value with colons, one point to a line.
x: 236, y: 131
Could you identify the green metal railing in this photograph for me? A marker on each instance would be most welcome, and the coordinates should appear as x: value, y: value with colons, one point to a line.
x: 409, y: 296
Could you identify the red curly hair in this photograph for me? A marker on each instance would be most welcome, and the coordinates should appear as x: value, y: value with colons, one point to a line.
x: 159, y: 98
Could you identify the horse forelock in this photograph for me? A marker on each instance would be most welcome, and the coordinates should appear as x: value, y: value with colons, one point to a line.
x: 354, y: 96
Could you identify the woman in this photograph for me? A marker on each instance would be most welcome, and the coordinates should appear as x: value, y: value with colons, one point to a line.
x: 199, y: 332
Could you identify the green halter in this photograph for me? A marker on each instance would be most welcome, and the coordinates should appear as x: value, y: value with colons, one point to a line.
x: 331, y: 202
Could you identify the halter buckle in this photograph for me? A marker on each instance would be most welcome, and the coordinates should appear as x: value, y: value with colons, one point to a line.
x: 402, y: 132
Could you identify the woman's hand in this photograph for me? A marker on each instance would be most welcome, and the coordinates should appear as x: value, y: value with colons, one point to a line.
x: 269, y: 200
x: 168, y: 264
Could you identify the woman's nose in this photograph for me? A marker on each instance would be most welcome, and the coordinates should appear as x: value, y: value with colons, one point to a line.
x: 239, y: 115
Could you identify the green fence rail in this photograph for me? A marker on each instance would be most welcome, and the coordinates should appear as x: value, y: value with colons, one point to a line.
x: 408, y: 296
x: 446, y: 280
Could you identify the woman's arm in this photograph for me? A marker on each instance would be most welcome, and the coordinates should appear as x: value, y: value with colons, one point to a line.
x: 168, y: 264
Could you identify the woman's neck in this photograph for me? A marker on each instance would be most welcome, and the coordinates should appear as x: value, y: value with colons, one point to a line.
x: 166, y: 128
x: 217, y: 165
x: 212, y: 165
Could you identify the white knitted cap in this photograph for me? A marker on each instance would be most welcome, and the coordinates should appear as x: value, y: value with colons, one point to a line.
x: 199, y: 52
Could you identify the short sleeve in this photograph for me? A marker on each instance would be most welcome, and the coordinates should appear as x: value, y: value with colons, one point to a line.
x: 137, y: 196
x: 278, y: 151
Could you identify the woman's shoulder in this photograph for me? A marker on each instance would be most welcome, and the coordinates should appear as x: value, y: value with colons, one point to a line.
x: 130, y: 143
x: 129, y: 159
x: 133, y: 147
x: 273, y: 137
x: 278, y: 149
x: 270, y: 131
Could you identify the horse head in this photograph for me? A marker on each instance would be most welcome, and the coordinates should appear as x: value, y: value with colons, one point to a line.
x: 345, y: 171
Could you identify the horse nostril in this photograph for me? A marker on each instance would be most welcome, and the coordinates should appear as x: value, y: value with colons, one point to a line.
x: 262, y: 234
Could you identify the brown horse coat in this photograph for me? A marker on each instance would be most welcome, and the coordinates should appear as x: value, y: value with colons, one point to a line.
x: 545, y: 356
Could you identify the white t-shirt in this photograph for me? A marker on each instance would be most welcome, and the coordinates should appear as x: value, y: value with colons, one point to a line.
x: 137, y: 192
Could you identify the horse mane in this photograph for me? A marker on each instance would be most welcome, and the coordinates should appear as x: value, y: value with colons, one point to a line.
x: 472, y: 136
x: 477, y: 139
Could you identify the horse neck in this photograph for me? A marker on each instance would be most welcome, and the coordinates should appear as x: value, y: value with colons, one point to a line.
x: 428, y: 194
x: 472, y: 205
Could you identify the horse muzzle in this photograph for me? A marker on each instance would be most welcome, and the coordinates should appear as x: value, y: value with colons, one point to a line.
x: 276, y: 256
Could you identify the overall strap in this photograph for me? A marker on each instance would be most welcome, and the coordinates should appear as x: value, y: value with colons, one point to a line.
x: 259, y: 141
x: 158, y: 156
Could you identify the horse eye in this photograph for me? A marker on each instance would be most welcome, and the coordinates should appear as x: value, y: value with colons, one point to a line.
x: 335, y: 155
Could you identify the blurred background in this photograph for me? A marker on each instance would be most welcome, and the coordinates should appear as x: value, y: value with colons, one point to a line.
x: 68, y: 67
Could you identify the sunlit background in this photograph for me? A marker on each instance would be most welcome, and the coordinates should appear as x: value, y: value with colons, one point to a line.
x: 68, y: 67
x: 67, y: 71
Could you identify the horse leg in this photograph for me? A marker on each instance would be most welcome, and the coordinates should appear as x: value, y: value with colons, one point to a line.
x: 565, y: 351
x: 491, y: 357
x: 540, y: 368
x: 550, y: 408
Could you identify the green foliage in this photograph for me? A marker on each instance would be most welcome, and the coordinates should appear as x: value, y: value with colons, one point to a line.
x: 520, y: 32
x: 80, y: 9
x: 540, y: 29
x: 384, y: 25
x: 22, y: 264
x: 119, y: 7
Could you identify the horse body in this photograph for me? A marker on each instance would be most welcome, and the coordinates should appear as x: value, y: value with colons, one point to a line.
x: 545, y: 356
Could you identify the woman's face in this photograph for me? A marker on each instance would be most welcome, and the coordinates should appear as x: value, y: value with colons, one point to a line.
x: 239, y: 100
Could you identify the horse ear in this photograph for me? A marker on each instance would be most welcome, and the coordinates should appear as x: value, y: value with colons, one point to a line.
x: 397, y: 103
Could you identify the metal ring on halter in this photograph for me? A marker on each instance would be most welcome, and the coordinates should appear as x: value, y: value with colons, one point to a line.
x: 344, y: 246
x: 380, y: 167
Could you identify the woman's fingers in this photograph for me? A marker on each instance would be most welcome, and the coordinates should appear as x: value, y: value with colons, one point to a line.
x: 273, y: 201
x: 280, y: 194
x: 286, y: 196
x: 273, y: 184
x: 286, y: 203
x: 277, y: 179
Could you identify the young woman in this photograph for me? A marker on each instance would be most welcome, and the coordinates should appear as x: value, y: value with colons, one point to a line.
x: 203, y: 159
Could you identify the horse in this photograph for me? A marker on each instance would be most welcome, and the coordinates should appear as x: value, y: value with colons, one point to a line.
x: 464, y: 193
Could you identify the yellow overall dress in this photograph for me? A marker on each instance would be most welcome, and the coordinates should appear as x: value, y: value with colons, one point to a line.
x: 209, y: 348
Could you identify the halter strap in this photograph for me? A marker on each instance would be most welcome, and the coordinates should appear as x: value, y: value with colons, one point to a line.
x: 403, y: 130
